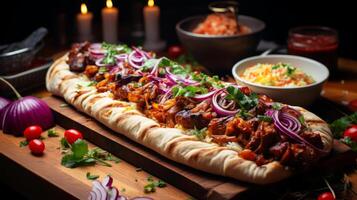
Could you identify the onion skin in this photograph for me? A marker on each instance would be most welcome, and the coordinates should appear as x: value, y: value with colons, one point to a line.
x: 25, y: 112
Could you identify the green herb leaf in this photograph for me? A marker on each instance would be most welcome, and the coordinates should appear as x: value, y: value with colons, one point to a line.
x: 264, y: 118
x: 91, y: 176
x: 200, y: 134
x: 244, y: 101
x: 102, y: 69
x: 52, y: 133
x: 277, y: 106
x: 24, y: 143
x: 340, y: 125
x: 151, y: 185
x: 64, y: 143
x: 188, y: 91
x: 79, y: 148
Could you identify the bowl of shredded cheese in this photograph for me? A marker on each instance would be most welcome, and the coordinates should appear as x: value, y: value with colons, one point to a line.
x: 289, y: 79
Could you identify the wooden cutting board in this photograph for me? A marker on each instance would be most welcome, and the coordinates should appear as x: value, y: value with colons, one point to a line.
x: 198, y: 184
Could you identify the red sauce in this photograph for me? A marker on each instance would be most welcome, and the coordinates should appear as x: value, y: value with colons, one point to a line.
x: 318, y: 43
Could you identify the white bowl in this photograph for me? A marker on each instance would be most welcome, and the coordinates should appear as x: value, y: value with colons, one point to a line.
x: 296, y: 95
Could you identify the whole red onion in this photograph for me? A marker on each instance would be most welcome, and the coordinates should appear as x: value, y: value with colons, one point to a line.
x: 24, y: 112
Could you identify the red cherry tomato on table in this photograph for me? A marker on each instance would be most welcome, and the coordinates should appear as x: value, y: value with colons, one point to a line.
x: 32, y: 132
x: 326, y: 196
x: 175, y: 51
x: 351, y: 132
x: 37, y: 146
x: 72, y: 135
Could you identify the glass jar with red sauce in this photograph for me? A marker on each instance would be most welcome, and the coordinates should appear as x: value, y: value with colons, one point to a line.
x: 316, y: 42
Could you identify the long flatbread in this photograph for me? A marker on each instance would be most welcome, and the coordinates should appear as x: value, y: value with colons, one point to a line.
x: 173, y: 143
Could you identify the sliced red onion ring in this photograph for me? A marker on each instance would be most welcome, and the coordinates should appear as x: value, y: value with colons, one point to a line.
x: 92, y: 195
x: 96, y: 48
x: 136, y: 60
x: 107, y: 181
x: 217, y: 107
x: 174, y: 79
x: 290, y: 126
x: 202, y: 97
x: 100, y: 190
x: 114, y: 193
x: 121, y: 57
x: 100, y: 64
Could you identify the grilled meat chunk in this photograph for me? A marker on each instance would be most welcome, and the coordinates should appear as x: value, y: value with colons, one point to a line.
x: 78, y: 57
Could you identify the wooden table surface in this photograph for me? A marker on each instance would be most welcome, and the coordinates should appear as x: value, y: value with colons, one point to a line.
x: 340, y: 90
x: 129, y: 180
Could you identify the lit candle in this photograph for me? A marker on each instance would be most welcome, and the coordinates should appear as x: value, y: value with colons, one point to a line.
x: 110, y: 22
x: 84, y: 24
x: 152, y: 27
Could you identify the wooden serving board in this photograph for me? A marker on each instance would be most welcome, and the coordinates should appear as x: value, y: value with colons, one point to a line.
x: 199, y: 184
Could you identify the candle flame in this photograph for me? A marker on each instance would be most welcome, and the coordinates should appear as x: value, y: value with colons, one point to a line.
x: 84, y: 9
x: 109, y: 3
x: 151, y: 3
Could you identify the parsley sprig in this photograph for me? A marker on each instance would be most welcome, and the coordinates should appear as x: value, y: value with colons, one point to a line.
x: 244, y: 101
x: 188, y: 91
x: 152, y: 185
x: 80, y: 155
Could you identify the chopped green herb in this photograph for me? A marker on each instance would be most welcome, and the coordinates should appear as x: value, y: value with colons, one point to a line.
x: 102, y: 70
x: 188, y: 91
x: 264, y: 118
x: 301, y: 119
x: 275, y: 66
x: 92, y: 83
x: 52, y: 133
x: 200, y: 134
x: 276, y: 106
x: 151, y: 186
x: 123, y: 190
x: 24, y: 143
x: 150, y: 178
x: 244, y: 101
x: 91, y: 176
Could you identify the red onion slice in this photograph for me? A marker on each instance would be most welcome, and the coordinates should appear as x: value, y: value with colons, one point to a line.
x: 202, y: 97
x: 99, y: 63
x: 218, y: 108
x: 96, y: 49
x: 290, y: 126
x: 99, y: 190
x: 107, y: 181
x: 121, y: 57
x: 174, y: 79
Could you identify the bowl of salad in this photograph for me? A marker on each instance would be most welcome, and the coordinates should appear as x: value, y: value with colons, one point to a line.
x: 289, y: 79
x: 217, y: 41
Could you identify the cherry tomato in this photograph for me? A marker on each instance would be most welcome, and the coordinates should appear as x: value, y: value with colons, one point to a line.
x: 353, y: 105
x: 37, y: 146
x: 351, y: 132
x: 32, y: 132
x: 175, y: 51
x: 326, y: 196
x: 72, y: 135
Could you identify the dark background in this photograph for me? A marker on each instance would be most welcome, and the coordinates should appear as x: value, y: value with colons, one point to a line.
x: 19, y: 18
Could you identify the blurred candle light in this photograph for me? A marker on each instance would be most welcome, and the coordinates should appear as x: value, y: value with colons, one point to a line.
x: 151, y: 14
x: 110, y: 22
x: 84, y: 24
